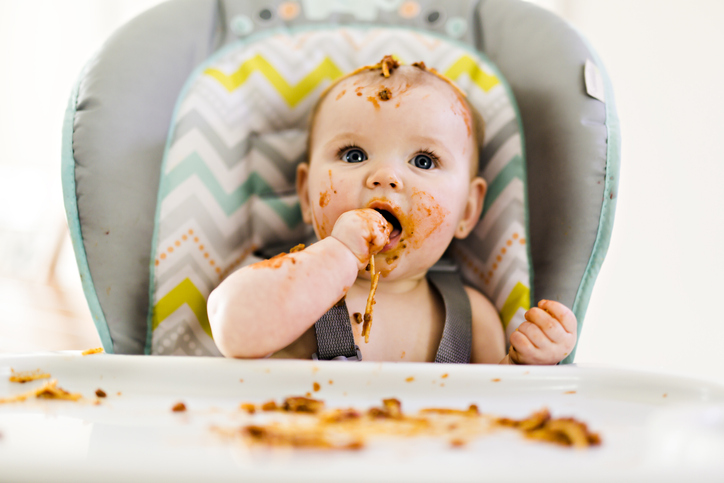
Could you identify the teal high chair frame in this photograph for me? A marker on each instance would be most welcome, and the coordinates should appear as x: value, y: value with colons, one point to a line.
x: 119, y: 113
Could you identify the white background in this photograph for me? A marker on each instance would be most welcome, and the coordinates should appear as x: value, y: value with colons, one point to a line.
x: 656, y: 302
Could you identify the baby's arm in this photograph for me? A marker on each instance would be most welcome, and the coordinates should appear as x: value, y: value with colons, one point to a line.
x: 264, y: 307
x: 547, y: 336
x: 488, y: 336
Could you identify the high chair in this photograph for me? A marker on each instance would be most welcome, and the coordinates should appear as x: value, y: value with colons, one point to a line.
x: 183, y: 132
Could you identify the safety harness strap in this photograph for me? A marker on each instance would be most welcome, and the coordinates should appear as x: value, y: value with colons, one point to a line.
x: 457, y: 335
x: 335, y: 339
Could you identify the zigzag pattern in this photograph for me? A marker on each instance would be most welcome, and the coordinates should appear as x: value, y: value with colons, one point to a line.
x: 291, y: 94
x: 228, y: 178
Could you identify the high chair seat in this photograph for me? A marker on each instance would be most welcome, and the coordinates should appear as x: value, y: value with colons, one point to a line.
x: 117, y: 149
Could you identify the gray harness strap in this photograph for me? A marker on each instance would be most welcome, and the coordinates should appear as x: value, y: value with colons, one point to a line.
x: 457, y: 334
x: 335, y: 340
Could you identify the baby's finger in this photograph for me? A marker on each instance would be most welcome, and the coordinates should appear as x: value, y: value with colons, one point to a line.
x: 534, y: 334
x: 522, y: 347
x: 551, y: 327
x: 562, y: 313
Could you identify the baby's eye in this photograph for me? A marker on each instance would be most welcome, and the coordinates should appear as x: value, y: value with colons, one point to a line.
x: 423, y: 161
x: 354, y: 155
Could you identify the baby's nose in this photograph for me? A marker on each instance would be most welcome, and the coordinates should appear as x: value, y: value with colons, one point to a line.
x: 384, y: 177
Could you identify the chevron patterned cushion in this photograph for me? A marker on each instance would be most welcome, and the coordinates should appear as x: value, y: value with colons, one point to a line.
x: 239, y: 130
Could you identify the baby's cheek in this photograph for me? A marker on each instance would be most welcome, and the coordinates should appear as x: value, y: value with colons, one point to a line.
x: 327, y: 194
x: 324, y: 198
x: 426, y: 218
x: 322, y: 225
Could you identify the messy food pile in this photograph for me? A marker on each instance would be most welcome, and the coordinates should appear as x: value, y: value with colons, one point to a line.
x: 303, y: 422
x: 309, y: 425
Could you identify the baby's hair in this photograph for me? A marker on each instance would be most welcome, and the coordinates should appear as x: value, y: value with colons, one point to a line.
x: 387, y: 66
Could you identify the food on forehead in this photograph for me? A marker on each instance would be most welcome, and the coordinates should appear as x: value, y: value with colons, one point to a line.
x: 388, y: 65
x: 384, y: 94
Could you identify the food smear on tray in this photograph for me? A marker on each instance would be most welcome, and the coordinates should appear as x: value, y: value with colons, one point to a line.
x: 307, y: 423
x: 27, y: 376
x: 95, y: 350
x: 49, y: 390
x: 563, y: 431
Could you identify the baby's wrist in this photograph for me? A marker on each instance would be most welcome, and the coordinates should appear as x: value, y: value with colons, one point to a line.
x: 346, y: 252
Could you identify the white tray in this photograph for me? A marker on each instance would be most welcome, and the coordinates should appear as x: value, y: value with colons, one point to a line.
x: 654, y: 426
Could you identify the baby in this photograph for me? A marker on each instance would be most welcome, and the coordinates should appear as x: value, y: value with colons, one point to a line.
x: 392, y: 174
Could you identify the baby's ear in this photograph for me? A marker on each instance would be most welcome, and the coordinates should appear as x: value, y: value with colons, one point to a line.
x: 473, y: 207
x: 303, y: 191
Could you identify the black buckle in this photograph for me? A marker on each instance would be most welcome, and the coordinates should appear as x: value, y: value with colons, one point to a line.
x: 355, y: 358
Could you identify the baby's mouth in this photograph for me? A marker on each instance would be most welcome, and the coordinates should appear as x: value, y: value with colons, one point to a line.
x: 392, y: 220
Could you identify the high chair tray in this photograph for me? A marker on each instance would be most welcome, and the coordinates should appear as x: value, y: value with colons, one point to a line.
x: 652, y: 425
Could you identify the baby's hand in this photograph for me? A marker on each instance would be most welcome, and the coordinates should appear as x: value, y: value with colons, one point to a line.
x: 365, y: 232
x: 546, y: 337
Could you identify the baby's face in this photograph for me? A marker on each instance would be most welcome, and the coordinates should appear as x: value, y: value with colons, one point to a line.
x: 409, y: 156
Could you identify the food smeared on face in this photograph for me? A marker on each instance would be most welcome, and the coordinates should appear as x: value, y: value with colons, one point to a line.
x: 428, y: 200
x: 410, y: 229
x: 427, y: 217
x: 374, y: 102
x: 331, y: 183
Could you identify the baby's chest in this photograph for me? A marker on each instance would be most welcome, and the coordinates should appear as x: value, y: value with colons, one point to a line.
x: 402, y: 330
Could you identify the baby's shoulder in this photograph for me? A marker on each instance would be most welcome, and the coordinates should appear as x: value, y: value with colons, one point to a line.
x: 488, y: 333
x: 479, y: 303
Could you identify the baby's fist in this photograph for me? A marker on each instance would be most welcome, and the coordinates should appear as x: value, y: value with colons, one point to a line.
x: 365, y: 232
x: 547, y: 336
